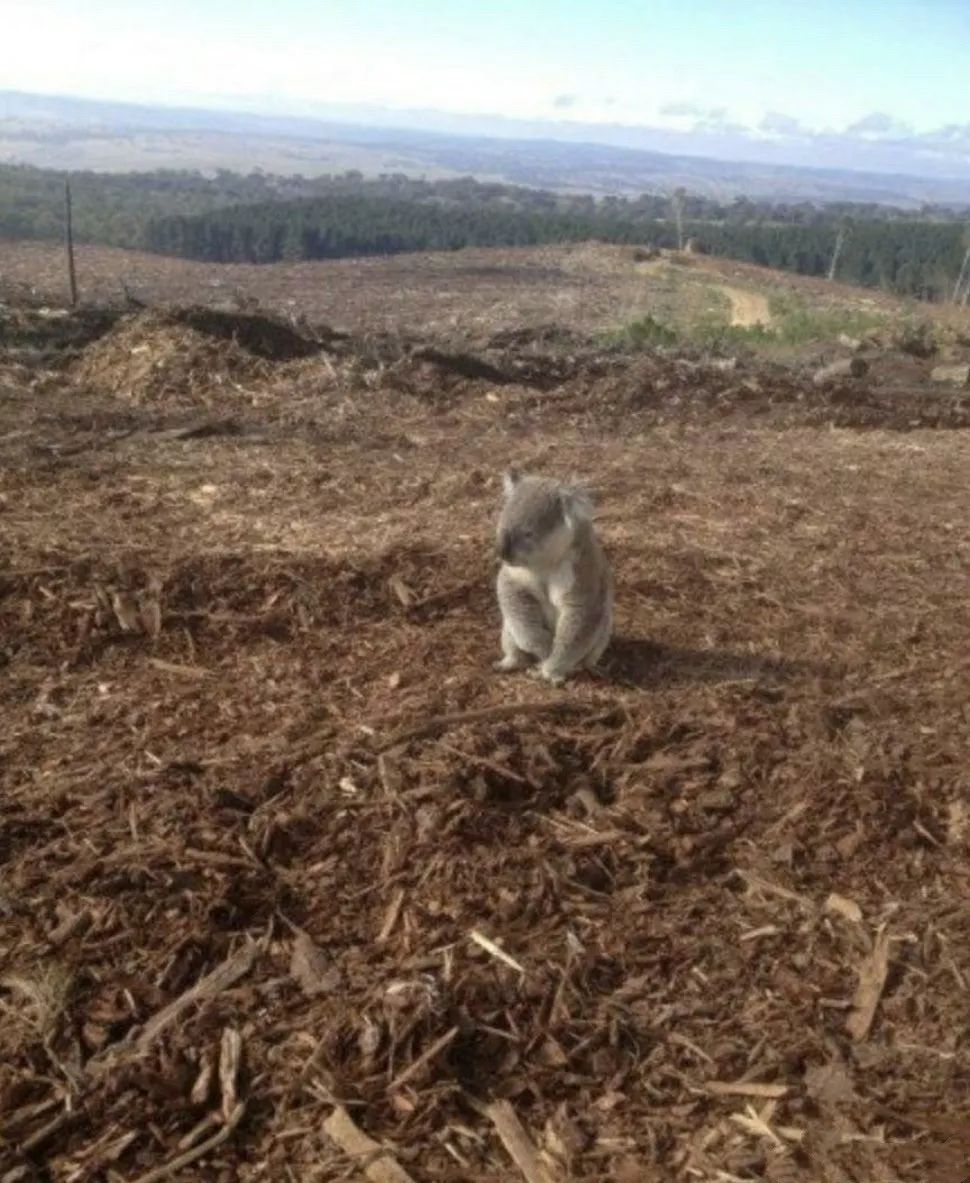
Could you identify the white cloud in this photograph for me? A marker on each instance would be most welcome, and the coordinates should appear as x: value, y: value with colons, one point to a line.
x: 694, y: 110
x: 777, y: 123
x: 878, y: 125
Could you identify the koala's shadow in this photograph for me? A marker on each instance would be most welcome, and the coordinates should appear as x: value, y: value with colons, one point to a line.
x: 650, y: 665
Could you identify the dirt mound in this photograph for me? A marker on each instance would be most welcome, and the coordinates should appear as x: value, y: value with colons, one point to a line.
x: 150, y: 359
x: 260, y: 335
x: 191, y: 356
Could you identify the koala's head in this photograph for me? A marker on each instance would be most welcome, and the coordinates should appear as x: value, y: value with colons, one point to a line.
x: 539, y: 520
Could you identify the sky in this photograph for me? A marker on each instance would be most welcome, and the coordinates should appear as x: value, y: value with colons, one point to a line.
x: 880, y: 68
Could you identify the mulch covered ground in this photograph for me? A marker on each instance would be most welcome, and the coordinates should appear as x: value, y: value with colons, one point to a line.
x: 294, y: 887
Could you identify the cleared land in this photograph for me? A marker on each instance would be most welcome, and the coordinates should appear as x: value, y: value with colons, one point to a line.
x: 463, y: 294
x: 277, y: 844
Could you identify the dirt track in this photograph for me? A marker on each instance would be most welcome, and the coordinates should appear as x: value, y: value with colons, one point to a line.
x: 747, y: 308
x: 230, y: 584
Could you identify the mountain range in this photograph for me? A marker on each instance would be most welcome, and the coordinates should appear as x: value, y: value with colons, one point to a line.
x: 780, y: 160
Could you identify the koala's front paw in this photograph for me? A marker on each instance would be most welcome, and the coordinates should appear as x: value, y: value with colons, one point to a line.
x: 549, y: 674
x: 510, y: 662
x: 507, y: 665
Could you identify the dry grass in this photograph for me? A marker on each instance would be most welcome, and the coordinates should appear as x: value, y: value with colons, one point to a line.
x: 317, y: 884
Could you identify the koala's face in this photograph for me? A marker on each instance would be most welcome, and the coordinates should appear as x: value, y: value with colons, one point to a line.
x: 533, y: 529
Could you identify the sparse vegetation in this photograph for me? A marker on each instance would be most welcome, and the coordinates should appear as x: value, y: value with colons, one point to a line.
x: 644, y: 333
x: 793, y: 322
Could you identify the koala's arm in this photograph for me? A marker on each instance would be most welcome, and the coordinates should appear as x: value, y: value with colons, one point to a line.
x: 522, y: 617
x: 581, y: 617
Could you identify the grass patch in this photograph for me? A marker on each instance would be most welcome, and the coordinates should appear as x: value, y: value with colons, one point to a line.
x: 793, y: 323
x: 796, y: 323
x: 643, y: 333
x: 713, y: 332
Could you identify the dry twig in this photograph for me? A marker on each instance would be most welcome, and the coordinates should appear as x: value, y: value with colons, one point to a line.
x: 426, y: 1057
x: 190, y: 1156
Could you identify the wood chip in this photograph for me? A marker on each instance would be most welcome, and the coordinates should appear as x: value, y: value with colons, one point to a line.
x: 757, y: 1124
x: 746, y: 1088
x: 71, y: 926
x: 202, y: 1088
x: 829, y: 1084
x: 426, y: 1057
x: 230, y: 1058
x: 390, y: 916
x: 213, y: 984
x: 840, y: 905
x: 183, y: 671
x: 519, y: 1145
x: 311, y: 968
x: 767, y: 887
x: 197, y: 1152
x: 375, y: 1162
x: 404, y: 594
x: 126, y: 611
x: 872, y: 981
x: 495, y: 951
x: 150, y: 613
x: 491, y: 714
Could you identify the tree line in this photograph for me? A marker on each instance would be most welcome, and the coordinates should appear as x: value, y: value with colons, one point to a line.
x: 913, y: 258
x: 261, y: 218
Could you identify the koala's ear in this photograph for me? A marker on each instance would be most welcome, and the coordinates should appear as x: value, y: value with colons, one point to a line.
x: 510, y: 478
x: 576, y: 503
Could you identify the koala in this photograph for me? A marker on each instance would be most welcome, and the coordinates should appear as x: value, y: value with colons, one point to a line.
x: 555, y: 586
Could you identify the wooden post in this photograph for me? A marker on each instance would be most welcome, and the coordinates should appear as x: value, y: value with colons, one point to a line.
x: 69, y: 243
x: 678, y: 203
x: 958, y: 286
x: 839, y: 243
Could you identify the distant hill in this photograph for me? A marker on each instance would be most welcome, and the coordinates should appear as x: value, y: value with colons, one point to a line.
x: 68, y: 133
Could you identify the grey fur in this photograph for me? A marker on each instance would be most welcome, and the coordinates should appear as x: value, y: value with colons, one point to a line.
x: 555, y: 586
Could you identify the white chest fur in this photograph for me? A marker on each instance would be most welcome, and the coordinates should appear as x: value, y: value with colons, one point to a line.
x: 549, y: 587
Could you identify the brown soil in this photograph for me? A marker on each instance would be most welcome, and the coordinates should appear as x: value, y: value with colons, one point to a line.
x: 467, y: 294
x: 262, y: 798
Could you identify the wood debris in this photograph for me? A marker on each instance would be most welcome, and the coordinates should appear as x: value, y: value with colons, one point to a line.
x: 276, y: 842
x: 375, y: 1162
x: 746, y: 1088
x: 520, y: 1146
x: 872, y: 973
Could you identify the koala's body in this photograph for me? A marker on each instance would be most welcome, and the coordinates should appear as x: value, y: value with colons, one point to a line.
x: 555, y: 585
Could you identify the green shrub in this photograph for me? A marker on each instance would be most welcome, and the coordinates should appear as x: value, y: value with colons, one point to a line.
x: 645, y: 333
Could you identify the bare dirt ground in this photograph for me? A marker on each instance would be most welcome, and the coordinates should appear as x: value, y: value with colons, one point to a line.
x: 747, y: 308
x: 290, y: 876
x: 584, y: 288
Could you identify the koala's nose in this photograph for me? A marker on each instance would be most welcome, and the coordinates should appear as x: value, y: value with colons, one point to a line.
x: 504, y: 546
